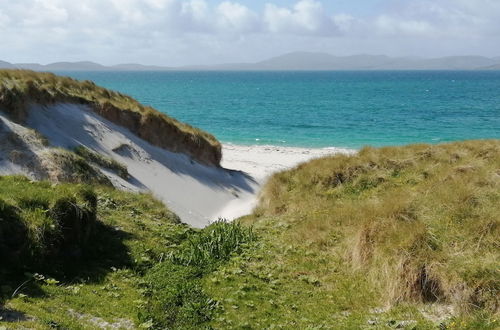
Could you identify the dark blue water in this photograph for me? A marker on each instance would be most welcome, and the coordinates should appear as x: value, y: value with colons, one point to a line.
x: 321, y: 109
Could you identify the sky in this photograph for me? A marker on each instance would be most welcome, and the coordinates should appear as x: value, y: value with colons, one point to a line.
x: 175, y: 32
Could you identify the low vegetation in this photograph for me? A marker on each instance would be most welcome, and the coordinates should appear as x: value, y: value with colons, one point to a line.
x: 21, y: 88
x: 394, y: 237
x: 78, y: 257
x: 400, y: 237
x: 102, y: 161
x: 176, y: 298
x: 66, y: 166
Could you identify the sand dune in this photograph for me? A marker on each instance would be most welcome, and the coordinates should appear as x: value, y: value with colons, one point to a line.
x: 199, y: 194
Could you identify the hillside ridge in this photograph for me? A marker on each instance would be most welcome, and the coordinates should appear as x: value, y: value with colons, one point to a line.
x: 300, y: 60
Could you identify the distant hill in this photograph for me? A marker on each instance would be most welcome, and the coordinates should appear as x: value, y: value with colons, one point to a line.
x: 323, y: 61
x: 491, y: 67
x: 139, y: 67
x: 292, y: 61
x: 63, y: 66
x: 81, y: 66
x: 5, y: 65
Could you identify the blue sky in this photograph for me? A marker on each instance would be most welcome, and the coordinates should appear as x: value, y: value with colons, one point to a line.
x: 179, y: 32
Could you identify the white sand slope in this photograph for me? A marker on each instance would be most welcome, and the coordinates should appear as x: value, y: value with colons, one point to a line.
x: 199, y: 194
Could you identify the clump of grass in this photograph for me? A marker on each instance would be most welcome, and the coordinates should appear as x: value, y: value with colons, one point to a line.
x: 215, y: 244
x: 176, y: 299
x: 176, y: 295
x: 102, y: 160
x: 66, y: 166
x: 21, y: 88
x: 38, y: 228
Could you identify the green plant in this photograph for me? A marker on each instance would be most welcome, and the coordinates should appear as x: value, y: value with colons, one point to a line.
x: 214, y: 244
x: 176, y: 299
x: 409, y: 232
x: 102, y: 160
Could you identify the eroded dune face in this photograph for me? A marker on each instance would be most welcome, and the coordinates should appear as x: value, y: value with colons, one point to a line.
x: 198, y: 193
x: 19, y: 89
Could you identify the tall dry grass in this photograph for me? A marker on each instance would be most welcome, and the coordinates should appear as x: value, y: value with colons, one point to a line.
x: 421, y: 221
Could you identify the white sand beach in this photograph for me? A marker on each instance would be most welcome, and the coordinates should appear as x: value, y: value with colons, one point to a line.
x: 199, y: 194
x: 260, y: 161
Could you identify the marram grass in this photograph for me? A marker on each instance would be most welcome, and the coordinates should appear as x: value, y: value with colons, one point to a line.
x: 396, y: 236
x: 21, y: 88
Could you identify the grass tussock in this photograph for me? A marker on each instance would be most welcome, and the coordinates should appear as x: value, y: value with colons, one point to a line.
x: 21, y: 88
x: 66, y: 166
x: 42, y: 226
x: 421, y: 220
x: 177, y: 299
x: 102, y: 161
x: 215, y: 244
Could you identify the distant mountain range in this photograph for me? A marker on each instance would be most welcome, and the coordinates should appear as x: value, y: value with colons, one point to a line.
x: 292, y: 61
x: 81, y: 66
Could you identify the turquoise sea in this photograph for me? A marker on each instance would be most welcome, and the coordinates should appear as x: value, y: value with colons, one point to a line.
x: 321, y: 109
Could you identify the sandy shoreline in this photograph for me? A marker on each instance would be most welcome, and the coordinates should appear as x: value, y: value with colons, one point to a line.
x: 261, y: 161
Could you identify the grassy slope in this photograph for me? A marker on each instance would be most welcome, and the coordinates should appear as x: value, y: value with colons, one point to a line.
x: 18, y: 88
x: 392, y: 237
x: 389, y: 237
x: 92, y: 254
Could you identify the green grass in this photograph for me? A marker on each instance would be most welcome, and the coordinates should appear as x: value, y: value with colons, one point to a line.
x: 215, y: 245
x: 402, y: 236
x: 75, y: 256
x: 176, y: 296
x: 20, y: 88
x: 67, y: 166
x: 102, y: 160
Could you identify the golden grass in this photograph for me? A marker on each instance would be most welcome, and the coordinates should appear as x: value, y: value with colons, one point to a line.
x: 421, y: 222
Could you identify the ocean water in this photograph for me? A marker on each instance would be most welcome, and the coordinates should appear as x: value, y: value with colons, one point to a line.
x: 321, y: 109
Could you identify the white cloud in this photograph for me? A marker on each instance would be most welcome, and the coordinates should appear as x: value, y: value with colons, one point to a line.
x: 175, y: 32
x: 233, y: 16
x: 49, y: 12
x: 4, y: 19
x: 306, y: 17
x: 344, y: 22
x: 441, y: 18
x: 394, y: 26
